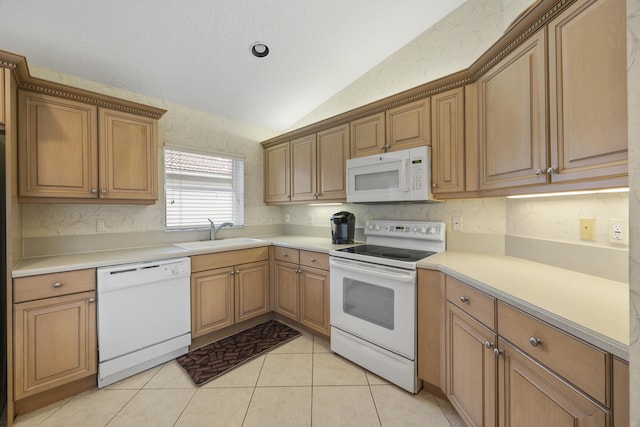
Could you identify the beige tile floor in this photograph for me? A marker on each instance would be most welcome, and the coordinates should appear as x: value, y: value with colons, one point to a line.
x: 298, y: 384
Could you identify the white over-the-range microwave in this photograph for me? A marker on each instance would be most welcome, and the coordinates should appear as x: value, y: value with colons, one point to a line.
x: 398, y: 176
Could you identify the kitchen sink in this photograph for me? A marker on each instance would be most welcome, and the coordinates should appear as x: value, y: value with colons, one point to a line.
x: 204, y: 244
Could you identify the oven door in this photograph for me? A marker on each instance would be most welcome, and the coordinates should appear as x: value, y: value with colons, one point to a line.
x: 376, y: 303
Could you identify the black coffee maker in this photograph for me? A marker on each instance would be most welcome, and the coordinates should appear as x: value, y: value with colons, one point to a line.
x: 343, y: 226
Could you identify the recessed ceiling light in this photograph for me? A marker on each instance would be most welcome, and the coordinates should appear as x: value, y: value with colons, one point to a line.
x: 259, y: 49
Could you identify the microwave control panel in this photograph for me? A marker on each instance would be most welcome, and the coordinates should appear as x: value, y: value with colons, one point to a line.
x: 418, y: 166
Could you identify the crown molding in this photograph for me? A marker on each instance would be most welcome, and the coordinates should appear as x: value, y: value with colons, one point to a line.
x: 25, y: 81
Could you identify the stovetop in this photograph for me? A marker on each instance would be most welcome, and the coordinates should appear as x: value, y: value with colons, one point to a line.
x: 398, y: 254
x: 397, y: 243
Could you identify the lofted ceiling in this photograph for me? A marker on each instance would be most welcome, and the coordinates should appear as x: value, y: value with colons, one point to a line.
x: 197, y: 52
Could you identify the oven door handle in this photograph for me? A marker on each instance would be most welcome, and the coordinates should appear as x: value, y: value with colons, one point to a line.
x: 408, y: 277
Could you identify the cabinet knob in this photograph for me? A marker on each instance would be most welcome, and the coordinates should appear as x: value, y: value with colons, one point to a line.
x: 284, y: 254
x: 464, y: 299
x: 535, y: 342
x: 103, y: 191
x: 57, y: 285
x: 232, y: 273
x: 434, y: 185
x: 94, y: 190
x: 539, y: 172
x: 92, y: 300
x: 551, y: 170
x: 298, y: 271
x: 488, y: 344
x: 237, y: 271
x: 312, y: 259
x: 497, y: 351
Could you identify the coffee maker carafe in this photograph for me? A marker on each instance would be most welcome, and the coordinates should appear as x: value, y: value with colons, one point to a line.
x: 343, y: 225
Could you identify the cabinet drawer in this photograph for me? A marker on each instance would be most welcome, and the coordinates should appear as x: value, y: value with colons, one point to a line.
x: 580, y: 363
x: 287, y: 254
x: 314, y: 259
x: 53, y: 285
x: 478, y: 304
x: 229, y: 258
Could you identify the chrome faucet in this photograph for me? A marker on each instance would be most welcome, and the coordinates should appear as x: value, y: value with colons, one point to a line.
x: 213, y: 230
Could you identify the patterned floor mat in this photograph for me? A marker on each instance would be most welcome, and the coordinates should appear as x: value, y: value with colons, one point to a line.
x: 213, y: 360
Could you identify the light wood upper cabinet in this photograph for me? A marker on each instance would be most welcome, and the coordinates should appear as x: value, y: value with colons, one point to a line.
x: 448, y: 142
x: 2, y: 100
x: 303, y: 168
x: 512, y: 109
x: 128, y: 156
x: 277, y: 173
x: 332, y: 155
x: 408, y: 125
x: 58, y: 147
x: 73, y: 151
x: 368, y: 135
x: 318, y: 165
x: 588, y: 91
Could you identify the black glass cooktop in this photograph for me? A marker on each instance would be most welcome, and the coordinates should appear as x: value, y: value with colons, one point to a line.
x: 399, y: 254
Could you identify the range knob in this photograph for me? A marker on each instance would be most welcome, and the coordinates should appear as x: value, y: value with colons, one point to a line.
x: 370, y: 226
x: 423, y: 230
x: 377, y: 227
x: 432, y: 230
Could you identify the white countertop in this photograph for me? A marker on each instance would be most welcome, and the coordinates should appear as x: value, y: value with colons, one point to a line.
x: 589, y: 307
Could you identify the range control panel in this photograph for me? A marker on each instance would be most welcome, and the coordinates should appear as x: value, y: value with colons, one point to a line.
x: 427, y: 230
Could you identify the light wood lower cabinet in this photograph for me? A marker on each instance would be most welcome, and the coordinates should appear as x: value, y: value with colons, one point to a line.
x: 301, y: 287
x: 54, y: 331
x: 505, y: 367
x: 532, y: 395
x: 237, y: 291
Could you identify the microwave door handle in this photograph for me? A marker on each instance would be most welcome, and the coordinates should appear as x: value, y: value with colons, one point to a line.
x: 404, y: 173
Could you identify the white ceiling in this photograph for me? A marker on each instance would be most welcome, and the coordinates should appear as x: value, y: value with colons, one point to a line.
x: 197, y: 52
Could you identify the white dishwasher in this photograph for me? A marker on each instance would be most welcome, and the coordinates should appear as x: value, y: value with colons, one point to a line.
x: 143, y: 316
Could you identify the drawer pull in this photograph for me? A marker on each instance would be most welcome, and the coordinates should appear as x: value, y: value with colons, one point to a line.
x: 535, y: 342
x: 488, y: 344
x: 285, y: 254
x: 57, y: 285
x: 464, y: 299
x: 313, y: 260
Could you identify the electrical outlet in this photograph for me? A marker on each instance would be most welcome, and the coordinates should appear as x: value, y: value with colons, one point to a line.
x: 587, y: 229
x: 456, y: 223
x: 618, y: 231
x: 287, y: 218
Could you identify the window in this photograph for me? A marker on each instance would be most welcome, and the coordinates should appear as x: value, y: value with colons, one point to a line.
x: 201, y: 186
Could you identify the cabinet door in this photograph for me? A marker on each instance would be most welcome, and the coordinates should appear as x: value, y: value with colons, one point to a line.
x: 447, y: 141
x: 588, y: 91
x: 620, y: 393
x: 2, y: 101
x: 471, y: 368
x: 58, y: 146
x: 286, y: 294
x: 252, y: 290
x: 277, y: 173
x: 314, y: 299
x: 211, y: 301
x: 303, y: 168
x: 511, y: 106
x: 128, y: 156
x: 55, y: 342
x: 333, y: 152
x: 532, y: 396
x: 368, y: 136
x: 408, y: 125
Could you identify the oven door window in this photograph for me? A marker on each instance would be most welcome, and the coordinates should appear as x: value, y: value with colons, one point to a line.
x: 371, y: 303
